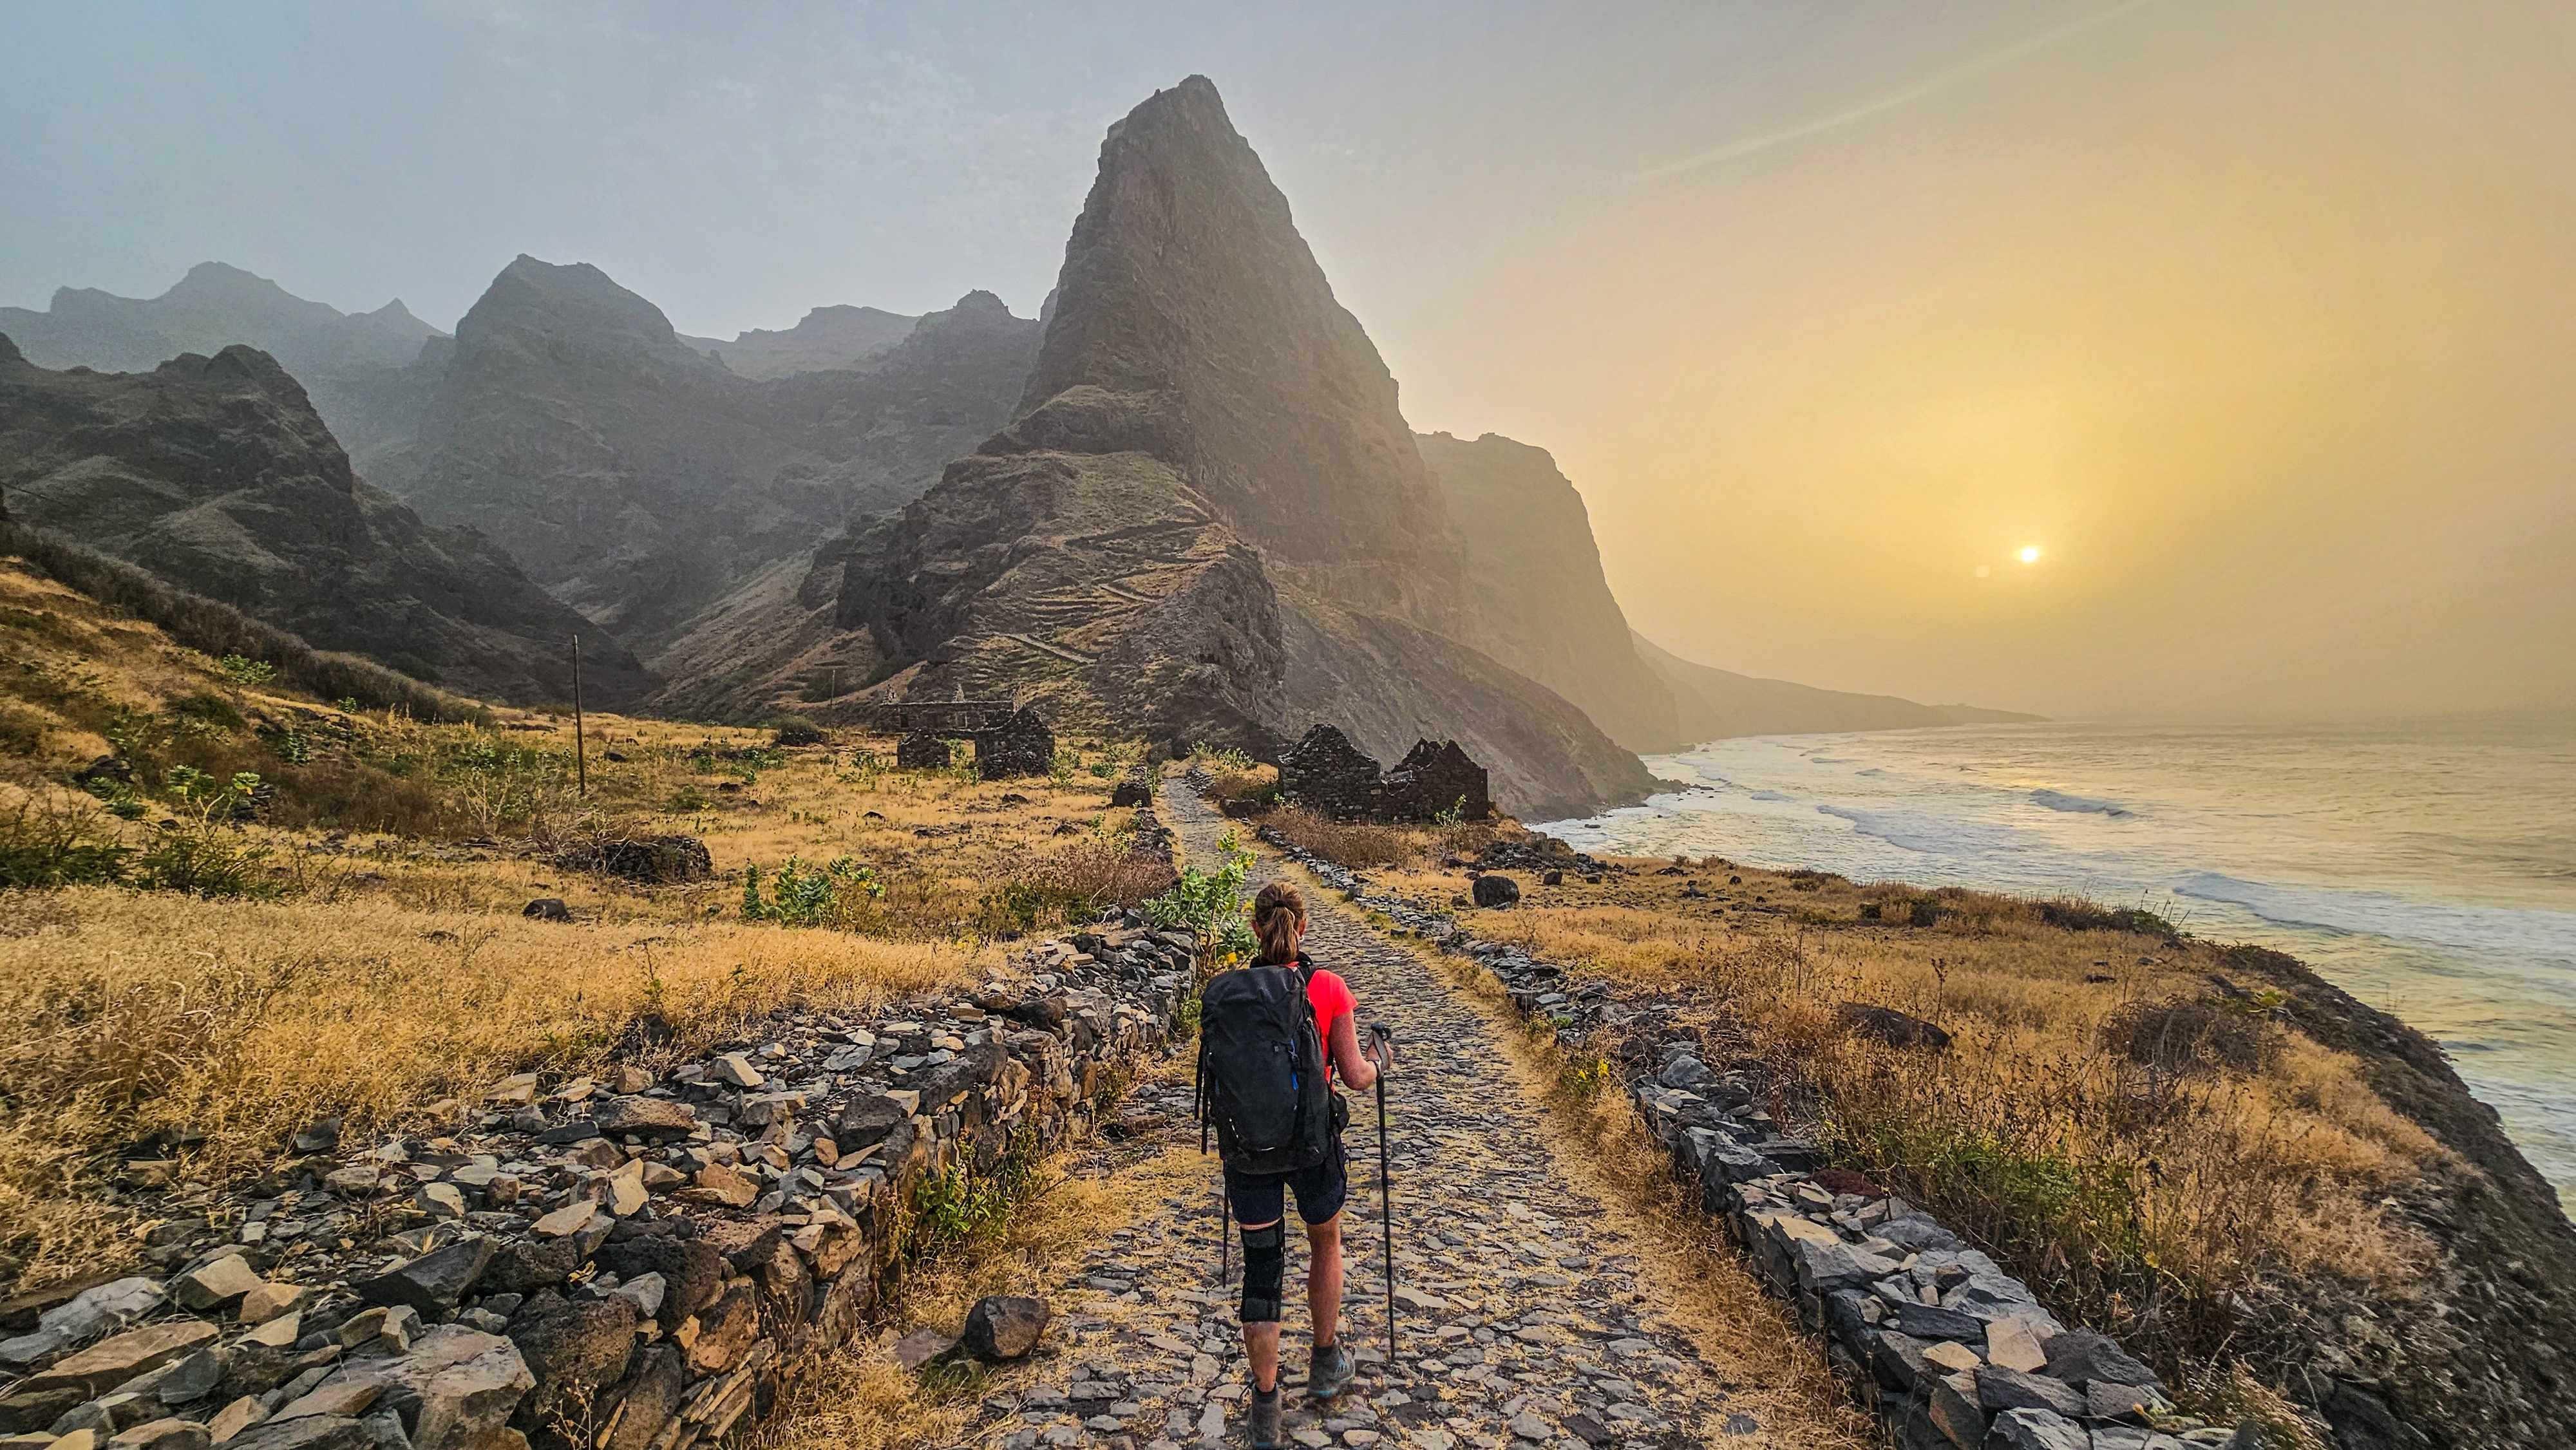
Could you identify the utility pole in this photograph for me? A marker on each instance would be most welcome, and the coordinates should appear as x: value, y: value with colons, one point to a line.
x: 580, y: 745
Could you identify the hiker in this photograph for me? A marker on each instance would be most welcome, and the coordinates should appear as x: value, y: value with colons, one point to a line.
x: 1272, y: 1035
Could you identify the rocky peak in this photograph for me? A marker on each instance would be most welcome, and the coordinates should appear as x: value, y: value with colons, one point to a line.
x: 1185, y: 278
x: 535, y: 303
x: 394, y: 317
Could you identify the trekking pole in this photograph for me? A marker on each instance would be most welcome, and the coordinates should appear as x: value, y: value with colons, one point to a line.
x: 1385, y: 1036
x: 1224, y: 1234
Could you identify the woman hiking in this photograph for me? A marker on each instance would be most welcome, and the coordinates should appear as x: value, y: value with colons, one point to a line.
x: 1272, y: 1036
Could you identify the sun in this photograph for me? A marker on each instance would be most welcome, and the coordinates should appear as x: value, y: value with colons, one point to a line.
x: 2030, y: 553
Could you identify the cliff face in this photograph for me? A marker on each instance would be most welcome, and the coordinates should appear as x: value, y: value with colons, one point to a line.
x: 1210, y: 521
x: 1533, y: 593
x: 1186, y: 281
x: 217, y: 475
x: 640, y: 480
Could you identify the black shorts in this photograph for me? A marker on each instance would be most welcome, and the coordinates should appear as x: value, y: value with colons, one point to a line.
x: 1260, y: 1198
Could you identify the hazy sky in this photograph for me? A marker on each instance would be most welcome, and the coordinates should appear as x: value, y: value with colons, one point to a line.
x: 2256, y: 317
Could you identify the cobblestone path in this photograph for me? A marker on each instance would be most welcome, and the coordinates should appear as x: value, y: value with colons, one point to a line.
x: 1519, y: 1320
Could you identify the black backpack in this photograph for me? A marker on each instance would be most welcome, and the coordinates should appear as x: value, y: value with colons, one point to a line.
x: 1261, y: 1080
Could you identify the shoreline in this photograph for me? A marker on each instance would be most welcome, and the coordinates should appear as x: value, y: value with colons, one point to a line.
x: 2013, y: 812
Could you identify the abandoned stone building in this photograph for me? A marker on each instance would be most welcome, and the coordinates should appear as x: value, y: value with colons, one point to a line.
x: 1327, y: 774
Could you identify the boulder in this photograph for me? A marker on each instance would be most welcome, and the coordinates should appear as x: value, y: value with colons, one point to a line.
x: 310, y: 1432
x: 1999, y: 1388
x: 1004, y: 1326
x: 2028, y: 1429
x: 722, y: 1184
x: 164, y: 1434
x: 725, y: 1330
x: 2081, y: 1357
x: 547, y: 908
x: 24, y: 1411
x: 657, y: 860
x: 573, y: 1348
x: 655, y: 1120
x: 921, y: 1346
x: 1886, y: 1024
x: 455, y: 1388
x: 98, y: 1310
x: 648, y: 1398
x: 212, y: 1284
x: 433, y: 1283
x: 192, y: 1378
x: 523, y: 1266
x: 117, y: 1360
x: 1492, y: 891
x: 693, y: 1272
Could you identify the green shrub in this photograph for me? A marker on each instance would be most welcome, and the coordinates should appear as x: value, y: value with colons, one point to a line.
x: 59, y: 845
x: 801, y: 894
x: 243, y: 670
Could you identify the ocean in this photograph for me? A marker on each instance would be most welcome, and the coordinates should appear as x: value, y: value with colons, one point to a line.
x: 2428, y: 869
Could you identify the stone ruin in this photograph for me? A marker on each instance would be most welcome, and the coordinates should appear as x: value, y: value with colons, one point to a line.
x: 921, y: 750
x: 1324, y: 772
x: 1007, y: 744
x: 1017, y: 744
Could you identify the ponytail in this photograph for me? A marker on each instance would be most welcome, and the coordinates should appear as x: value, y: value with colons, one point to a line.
x: 1277, y: 914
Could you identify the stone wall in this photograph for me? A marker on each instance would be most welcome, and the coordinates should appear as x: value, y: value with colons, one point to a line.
x: 921, y: 750
x: 1019, y: 744
x: 1950, y: 1352
x: 626, y: 1262
x: 1325, y: 773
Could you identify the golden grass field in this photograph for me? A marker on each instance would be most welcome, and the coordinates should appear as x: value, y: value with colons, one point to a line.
x: 374, y: 973
x: 2143, y: 1178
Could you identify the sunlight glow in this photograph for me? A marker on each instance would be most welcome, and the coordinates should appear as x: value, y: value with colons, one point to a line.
x: 2030, y: 553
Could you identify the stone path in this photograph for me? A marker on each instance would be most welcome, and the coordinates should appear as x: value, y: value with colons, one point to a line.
x: 1520, y: 1322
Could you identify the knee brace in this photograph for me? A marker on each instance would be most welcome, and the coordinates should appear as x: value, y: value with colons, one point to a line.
x: 1265, y: 1263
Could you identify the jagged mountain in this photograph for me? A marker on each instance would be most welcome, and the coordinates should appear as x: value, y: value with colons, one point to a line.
x: 216, y: 474
x: 825, y: 339
x: 211, y: 308
x: 641, y: 480
x: 1209, y: 519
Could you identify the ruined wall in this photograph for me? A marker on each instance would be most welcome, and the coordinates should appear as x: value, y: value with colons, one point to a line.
x: 627, y: 1262
x: 1325, y: 773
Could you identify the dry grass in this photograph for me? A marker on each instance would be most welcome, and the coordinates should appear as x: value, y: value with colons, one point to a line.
x: 2140, y: 1162
x: 376, y: 971
x: 245, y: 1020
x: 1369, y: 846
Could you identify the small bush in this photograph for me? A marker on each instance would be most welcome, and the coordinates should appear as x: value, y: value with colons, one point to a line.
x: 2073, y: 913
x: 2186, y: 1035
x: 58, y: 845
x: 805, y: 895
x: 243, y: 670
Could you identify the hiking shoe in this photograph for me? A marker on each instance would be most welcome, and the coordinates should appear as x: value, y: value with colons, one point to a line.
x: 1265, y: 1420
x: 1330, y: 1371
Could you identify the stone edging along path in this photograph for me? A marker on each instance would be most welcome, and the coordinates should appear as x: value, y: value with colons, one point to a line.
x: 1948, y: 1350
x: 619, y: 1264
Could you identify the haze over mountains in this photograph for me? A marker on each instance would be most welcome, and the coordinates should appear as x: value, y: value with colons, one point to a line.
x: 1187, y: 505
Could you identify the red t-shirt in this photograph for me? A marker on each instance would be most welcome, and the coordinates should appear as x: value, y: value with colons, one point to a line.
x: 1332, y: 999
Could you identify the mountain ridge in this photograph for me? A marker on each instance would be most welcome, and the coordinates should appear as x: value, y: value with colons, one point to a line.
x: 216, y: 475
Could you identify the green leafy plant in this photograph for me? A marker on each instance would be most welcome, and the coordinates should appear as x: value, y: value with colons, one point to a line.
x: 1061, y: 767
x: 802, y: 894
x: 243, y: 670
x: 1209, y: 905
